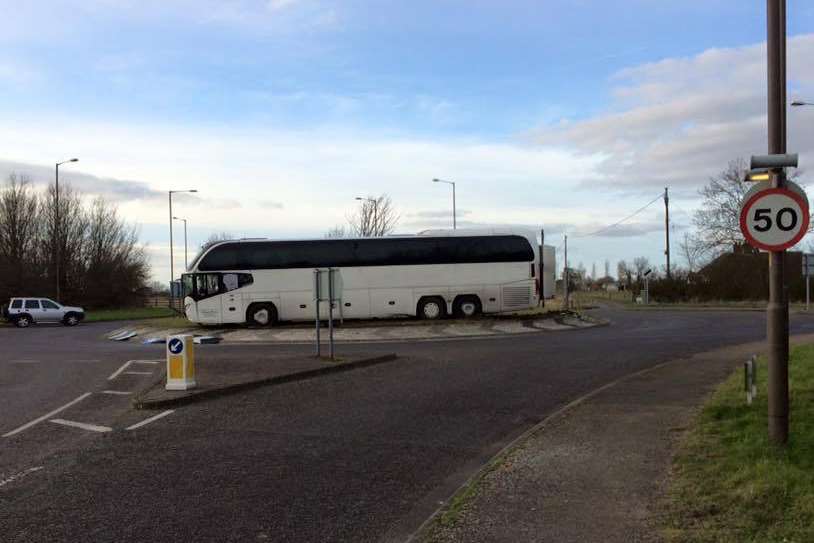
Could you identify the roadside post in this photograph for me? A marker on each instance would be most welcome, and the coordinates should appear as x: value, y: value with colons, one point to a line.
x: 317, y: 299
x: 808, y: 267
x: 750, y: 379
x: 327, y: 288
x: 180, y: 362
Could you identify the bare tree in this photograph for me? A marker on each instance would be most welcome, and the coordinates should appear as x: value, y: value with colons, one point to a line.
x: 718, y: 220
x: 692, y: 250
x: 101, y: 261
x: 18, y: 233
x: 376, y: 217
x: 640, y: 264
x: 215, y: 238
x: 337, y: 232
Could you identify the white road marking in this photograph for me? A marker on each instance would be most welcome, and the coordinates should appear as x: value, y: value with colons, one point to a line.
x: 25, y: 361
x: 83, y: 425
x: 20, y: 475
x: 49, y: 415
x: 119, y: 392
x: 151, y: 419
x: 118, y: 371
x: 127, y: 365
x: 83, y: 361
x: 138, y: 373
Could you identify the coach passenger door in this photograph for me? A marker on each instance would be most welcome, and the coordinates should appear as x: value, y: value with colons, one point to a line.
x: 232, y: 310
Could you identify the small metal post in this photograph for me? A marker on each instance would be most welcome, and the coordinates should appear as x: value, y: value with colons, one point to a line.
x: 808, y: 280
x: 746, y: 385
x: 754, y: 376
x: 317, y: 296
x: 331, y: 310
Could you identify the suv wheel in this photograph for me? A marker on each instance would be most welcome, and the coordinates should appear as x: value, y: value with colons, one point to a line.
x: 71, y: 319
x: 23, y: 321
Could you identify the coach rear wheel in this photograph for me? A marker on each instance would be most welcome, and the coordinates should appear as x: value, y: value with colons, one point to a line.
x: 467, y: 306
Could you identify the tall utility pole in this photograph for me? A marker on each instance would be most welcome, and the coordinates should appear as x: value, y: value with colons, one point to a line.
x: 454, y: 212
x: 667, y: 228
x: 186, y: 260
x: 565, y: 297
x: 777, y: 312
x: 172, y: 256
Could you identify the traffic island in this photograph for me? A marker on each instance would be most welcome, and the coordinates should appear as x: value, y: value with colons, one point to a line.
x: 217, y: 378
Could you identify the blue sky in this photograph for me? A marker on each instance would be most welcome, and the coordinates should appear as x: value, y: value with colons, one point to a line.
x: 566, y: 114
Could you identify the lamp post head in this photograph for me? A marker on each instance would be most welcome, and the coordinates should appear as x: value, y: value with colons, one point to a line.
x: 798, y: 103
x: 74, y: 160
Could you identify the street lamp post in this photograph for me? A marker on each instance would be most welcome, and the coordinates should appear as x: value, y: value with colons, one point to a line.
x: 186, y: 262
x: 375, y: 211
x: 454, y: 214
x: 57, y: 236
x: 172, y: 264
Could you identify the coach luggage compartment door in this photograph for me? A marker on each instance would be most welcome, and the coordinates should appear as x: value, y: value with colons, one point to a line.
x: 232, y: 300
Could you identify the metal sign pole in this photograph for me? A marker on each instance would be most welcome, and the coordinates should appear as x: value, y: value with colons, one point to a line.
x: 777, y: 312
x: 317, y: 296
x: 331, y: 310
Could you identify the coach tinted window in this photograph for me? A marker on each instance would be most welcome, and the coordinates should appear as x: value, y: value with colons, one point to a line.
x: 222, y: 257
x: 368, y: 252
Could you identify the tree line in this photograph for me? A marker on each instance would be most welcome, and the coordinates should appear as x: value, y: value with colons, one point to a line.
x: 100, y: 260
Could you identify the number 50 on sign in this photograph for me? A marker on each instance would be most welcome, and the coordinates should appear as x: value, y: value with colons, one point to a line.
x: 774, y: 219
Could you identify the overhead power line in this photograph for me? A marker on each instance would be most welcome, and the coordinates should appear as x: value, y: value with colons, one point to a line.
x: 606, y: 228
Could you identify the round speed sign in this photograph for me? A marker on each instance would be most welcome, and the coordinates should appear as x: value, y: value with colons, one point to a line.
x: 774, y: 219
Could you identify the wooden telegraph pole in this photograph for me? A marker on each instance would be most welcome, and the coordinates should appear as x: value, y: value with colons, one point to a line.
x: 777, y: 312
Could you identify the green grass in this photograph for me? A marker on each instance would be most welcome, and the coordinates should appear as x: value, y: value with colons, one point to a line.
x: 729, y: 483
x: 130, y: 313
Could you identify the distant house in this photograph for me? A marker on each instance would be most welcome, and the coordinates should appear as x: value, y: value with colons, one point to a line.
x: 743, y: 274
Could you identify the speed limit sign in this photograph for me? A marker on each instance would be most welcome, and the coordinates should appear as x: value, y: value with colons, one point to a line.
x: 774, y: 219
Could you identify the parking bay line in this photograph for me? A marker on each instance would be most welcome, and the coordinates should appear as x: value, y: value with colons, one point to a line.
x: 127, y: 365
x: 138, y: 373
x: 118, y: 392
x: 82, y: 425
x: 20, y: 475
x: 49, y: 415
x: 151, y: 419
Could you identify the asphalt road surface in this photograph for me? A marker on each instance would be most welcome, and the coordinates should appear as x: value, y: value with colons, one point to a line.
x: 365, y: 455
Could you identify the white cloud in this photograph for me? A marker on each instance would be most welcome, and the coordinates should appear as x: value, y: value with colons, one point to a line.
x: 678, y: 121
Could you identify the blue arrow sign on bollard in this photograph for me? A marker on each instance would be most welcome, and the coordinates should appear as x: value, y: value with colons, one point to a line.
x: 176, y: 346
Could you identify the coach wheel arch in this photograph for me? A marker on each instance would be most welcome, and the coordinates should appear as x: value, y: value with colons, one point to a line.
x: 431, y: 308
x: 466, y: 306
x: 261, y: 314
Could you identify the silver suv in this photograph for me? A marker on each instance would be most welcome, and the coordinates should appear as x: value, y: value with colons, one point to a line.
x: 23, y: 312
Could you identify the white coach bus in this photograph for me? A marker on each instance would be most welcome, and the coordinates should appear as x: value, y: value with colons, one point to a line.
x: 430, y: 275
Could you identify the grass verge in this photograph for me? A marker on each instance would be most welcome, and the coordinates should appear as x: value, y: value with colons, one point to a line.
x: 729, y: 483
x: 128, y: 313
